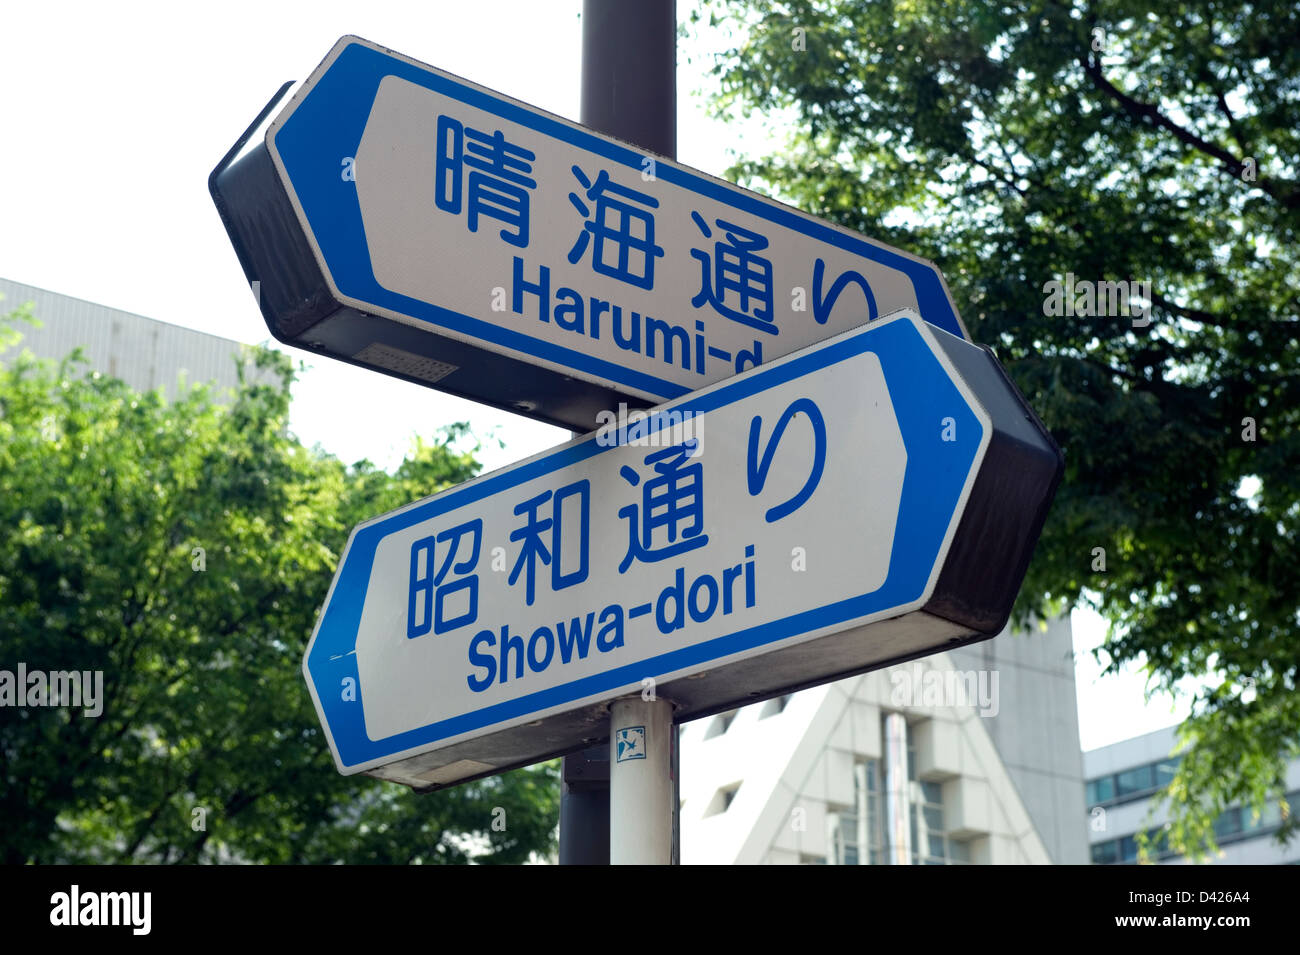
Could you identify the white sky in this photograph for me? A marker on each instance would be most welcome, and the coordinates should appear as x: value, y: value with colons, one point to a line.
x: 112, y: 115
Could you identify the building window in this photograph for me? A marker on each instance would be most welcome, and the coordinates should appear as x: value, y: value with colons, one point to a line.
x: 720, y: 724
x: 1128, y: 849
x: 1134, y: 781
x: 722, y: 800
x: 1101, y: 790
x: 1270, y: 818
x: 929, y: 844
x: 843, y: 841
x: 1105, y: 853
x: 774, y: 706
x: 1228, y: 824
x: 1131, y: 783
x: 1125, y: 849
x: 1165, y: 770
x: 858, y: 836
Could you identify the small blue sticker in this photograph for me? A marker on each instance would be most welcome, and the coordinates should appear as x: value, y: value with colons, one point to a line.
x: 631, y: 743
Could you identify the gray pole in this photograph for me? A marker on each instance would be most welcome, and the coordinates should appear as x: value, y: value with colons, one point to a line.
x: 642, y: 797
x: 584, y: 808
x: 629, y: 71
x: 629, y: 90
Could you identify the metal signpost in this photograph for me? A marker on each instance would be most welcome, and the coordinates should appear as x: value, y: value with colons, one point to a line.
x: 629, y: 86
x: 409, y: 221
x: 869, y: 499
x: 833, y: 478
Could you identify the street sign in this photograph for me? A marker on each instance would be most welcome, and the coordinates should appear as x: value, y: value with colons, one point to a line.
x: 869, y: 499
x: 400, y: 218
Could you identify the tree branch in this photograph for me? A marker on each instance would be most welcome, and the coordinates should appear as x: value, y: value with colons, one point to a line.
x: 1284, y: 192
x: 1234, y: 127
x: 1206, y: 318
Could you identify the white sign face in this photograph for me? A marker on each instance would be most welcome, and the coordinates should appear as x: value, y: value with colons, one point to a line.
x: 438, y: 204
x: 674, y: 543
x: 814, y: 494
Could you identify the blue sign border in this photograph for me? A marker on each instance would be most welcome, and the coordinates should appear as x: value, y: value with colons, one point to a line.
x: 329, y: 122
x: 923, y: 393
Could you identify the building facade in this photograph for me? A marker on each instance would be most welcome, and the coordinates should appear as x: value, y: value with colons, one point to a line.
x: 143, y: 352
x: 965, y: 757
x: 1123, y: 780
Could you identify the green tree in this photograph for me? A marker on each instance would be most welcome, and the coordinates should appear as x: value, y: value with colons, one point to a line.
x: 1138, y: 140
x: 183, y: 549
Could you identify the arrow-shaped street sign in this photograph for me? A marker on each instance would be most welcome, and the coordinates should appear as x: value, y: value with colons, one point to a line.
x: 409, y: 221
x: 872, y: 498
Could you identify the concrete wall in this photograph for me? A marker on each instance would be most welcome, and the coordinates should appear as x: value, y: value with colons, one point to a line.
x: 1036, y: 730
x: 143, y: 352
